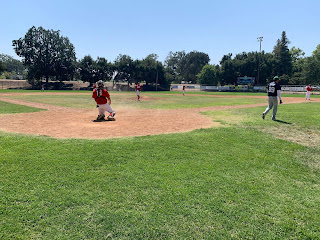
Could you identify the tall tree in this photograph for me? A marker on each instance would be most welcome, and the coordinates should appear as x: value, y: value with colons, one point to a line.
x: 65, y: 63
x: 124, y: 67
x: 283, y: 59
x: 11, y: 64
x: 88, y: 70
x: 172, y: 66
x: 150, y: 68
x: 209, y: 75
x: 228, y: 73
x: 246, y: 64
x: 312, y: 68
x: 298, y: 63
x: 46, y: 53
x: 191, y: 64
x: 266, y: 68
x: 104, y: 69
x: 138, y: 71
x: 2, y: 68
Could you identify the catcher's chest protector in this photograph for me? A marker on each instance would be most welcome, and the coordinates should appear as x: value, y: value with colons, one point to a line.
x: 99, y: 92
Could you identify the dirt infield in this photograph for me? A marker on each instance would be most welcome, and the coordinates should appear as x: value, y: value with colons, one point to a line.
x: 64, y: 122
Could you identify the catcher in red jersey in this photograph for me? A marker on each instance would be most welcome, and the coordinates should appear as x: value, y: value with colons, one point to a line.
x: 103, y: 100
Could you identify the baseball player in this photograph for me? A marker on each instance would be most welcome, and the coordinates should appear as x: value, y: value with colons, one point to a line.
x: 274, y: 92
x: 103, y: 101
x: 138, y: 89
x: 183, y: 90
x: 309, y: 89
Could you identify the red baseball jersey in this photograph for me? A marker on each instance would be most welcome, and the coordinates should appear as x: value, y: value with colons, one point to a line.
x: 309, y: 88
x: 100, y: 95
x: 138, y: 87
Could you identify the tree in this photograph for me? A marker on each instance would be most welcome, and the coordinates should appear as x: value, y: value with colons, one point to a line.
x: 88, y: 70
x: 209, y: 75
x: 124, y: 67
x: 46, y: 53
x: 298, y: 64
x: 2, y: 68
x: 104, y: 69
x: 191, y: 64
x: 150, y: 68
x: 11, y: 64
x: 138, y: 71
x: 266, y: 68
x: 296, y: 54
x: 172, y: 66
x: 65, y: 64
x: 246, y: 64
x: 228, y: 73
x: 312, y: 68
x: 160, y: 77
x: 283, y: 59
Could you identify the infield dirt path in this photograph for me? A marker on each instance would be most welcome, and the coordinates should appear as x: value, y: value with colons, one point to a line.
x: 64, y: 122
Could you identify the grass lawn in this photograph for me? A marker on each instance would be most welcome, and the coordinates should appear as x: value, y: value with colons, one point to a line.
x: 239, y: 181
x: 8, y: 108
x: 148, y: 100
x: 298, y: 121
x: 164, y: 100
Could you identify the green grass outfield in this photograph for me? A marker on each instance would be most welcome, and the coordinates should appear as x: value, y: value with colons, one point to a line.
x: 151, y: 100
x: 248, y: 179
x: 7, y: 108
x: 148, y: 100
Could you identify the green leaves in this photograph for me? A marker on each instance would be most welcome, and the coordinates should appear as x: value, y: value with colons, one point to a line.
x: 2, y: 68
x: 191, y: 64
x: 210, y: 75
x: 283, y: 58
x: 46, y: 53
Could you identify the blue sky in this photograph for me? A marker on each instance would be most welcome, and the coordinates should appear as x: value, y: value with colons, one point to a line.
x: 140, y: 27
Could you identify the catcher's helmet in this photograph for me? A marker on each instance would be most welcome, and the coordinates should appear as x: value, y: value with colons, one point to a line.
x: 100, y: 83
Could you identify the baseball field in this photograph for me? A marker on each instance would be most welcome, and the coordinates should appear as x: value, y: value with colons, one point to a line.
x: 200, y: 166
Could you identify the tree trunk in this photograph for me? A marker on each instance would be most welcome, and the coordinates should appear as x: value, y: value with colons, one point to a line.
x: 47, y: 82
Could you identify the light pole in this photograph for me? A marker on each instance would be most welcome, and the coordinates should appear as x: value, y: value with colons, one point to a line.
x: 260, y: 39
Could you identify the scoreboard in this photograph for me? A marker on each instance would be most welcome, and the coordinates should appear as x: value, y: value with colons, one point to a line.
x: 246, y: 80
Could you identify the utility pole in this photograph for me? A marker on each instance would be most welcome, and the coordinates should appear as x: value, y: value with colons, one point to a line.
x: 260, y: 39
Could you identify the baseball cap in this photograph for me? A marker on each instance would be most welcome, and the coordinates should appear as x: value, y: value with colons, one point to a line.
x: 276, y: 78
